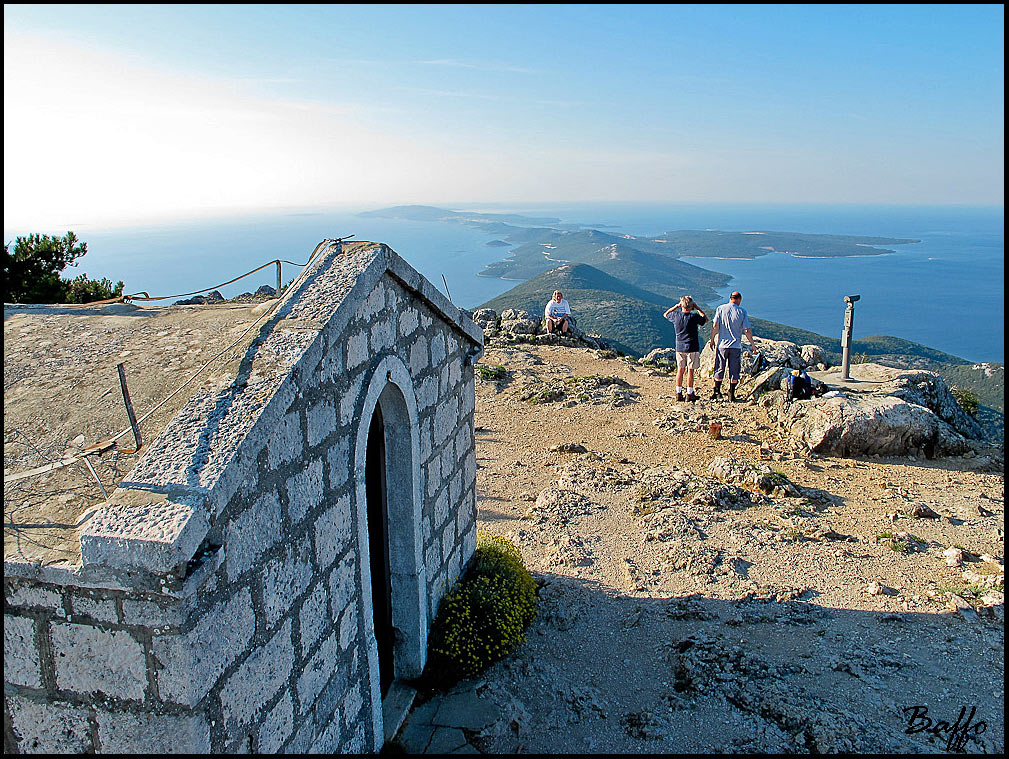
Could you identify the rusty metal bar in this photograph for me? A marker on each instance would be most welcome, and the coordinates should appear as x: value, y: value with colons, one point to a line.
x: 129, y: 409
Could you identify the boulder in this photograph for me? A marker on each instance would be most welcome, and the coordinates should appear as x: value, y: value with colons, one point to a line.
x: 211, y: 298
x: 851, y: 426
x: 485, y: 318
x: 767, y: 380
x: 812, y: 356
x: 883, y: 411
x: 660, y: 356
x: 510, y: 314
x: 756, y: 477
x: 781, y: 353
x: 558, y: 506
x: 768, y: 354
x: 928, y: 389
x: 520, y: 326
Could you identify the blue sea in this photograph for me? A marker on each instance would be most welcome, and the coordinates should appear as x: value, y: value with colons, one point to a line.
x: 945, y: 292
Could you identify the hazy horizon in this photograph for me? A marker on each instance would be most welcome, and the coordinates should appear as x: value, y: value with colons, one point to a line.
x: 487, y: 206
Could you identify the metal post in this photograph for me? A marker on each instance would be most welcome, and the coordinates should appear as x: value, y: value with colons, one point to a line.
x: 279, y: 279
x: 849, y: 320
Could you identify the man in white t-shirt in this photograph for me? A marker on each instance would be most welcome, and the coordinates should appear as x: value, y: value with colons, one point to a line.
x: 731, y: 322
x: 557, y: 314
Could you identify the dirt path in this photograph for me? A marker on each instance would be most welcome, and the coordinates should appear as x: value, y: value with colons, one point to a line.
x: 673, y: 618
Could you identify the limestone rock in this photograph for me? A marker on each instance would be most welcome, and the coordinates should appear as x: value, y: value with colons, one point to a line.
x: 812, y: 355
x: 758, y: 478
x: 878, y: 589
x: 927, y: 389
x: 781, y: 353
x: 768, y: 354
x: 958, y: 604
x: 511, y: 314
x: 520, y: 326
x: 660, y: 356
x: 484, y: 315
x: 953, y: 557
x: 767, y: 380
x: 921, y: 511
x: 556, y: 505
x: 870, y: 424
x: 993, y: 605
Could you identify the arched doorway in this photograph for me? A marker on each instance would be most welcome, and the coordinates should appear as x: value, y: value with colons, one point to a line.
x: 390, y: 534
x: 378, y: 546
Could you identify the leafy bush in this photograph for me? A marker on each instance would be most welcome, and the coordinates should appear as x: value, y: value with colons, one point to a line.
x: 485, y: 616
x: 84, y: 290
x: 967, y: 399
x: 491, y: 373
x: 32, y: 272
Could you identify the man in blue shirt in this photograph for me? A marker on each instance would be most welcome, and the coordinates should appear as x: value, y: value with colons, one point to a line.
x: 731, y: 322
x: 686, y: 322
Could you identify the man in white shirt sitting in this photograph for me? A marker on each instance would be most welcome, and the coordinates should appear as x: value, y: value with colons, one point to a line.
x: 557, y: 314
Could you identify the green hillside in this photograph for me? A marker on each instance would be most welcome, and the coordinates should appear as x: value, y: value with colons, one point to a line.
x: 668, y: 277
x: 628, y: 318
x: 542, y: 252
x: 986, y: 381
x: 539, y: 250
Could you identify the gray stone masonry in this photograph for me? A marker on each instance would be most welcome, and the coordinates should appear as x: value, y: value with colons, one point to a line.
x: 223, y: 599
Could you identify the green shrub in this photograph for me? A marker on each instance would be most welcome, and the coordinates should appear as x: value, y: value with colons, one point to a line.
x: 967, y: 399
x: 485, y: 616
x: 491, y: 373
x: 32, y: 272
x: 84, y: 290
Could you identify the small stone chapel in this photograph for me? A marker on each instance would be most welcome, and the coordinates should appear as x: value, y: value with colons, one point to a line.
x: 269, y: 569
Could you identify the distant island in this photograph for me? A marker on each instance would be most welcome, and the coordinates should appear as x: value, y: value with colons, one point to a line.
x: 622, y: 284
x: 430, y: 213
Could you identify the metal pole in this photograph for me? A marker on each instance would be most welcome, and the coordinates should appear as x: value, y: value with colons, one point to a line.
x: 849, y: 320
x: 279, y: 279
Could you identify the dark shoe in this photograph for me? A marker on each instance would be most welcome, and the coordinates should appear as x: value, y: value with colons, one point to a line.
x: 679, y: 397
x: 692, y: 397
x: 716, y: 396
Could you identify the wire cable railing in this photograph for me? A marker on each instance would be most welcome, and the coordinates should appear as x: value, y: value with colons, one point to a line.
x: 134, y: 427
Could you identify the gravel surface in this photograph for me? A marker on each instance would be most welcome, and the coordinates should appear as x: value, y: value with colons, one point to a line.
x: 730, y: 595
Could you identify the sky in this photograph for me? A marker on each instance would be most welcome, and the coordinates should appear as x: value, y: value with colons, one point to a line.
x: 128, y: 112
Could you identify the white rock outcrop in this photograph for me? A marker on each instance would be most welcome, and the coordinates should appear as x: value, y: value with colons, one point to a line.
x: 890, y: 413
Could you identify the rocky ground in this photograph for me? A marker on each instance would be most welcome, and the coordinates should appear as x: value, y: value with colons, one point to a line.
x: 728, y: 595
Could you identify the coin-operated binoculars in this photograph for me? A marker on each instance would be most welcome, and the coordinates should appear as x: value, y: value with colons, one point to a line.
x: 849, y: 320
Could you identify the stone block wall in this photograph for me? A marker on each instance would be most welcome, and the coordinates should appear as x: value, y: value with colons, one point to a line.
x: 264, y: 642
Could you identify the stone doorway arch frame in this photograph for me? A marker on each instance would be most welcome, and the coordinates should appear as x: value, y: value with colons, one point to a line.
x: 392, y: 385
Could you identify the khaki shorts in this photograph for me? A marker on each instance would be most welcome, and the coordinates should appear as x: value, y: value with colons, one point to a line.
x: 690, y: 360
